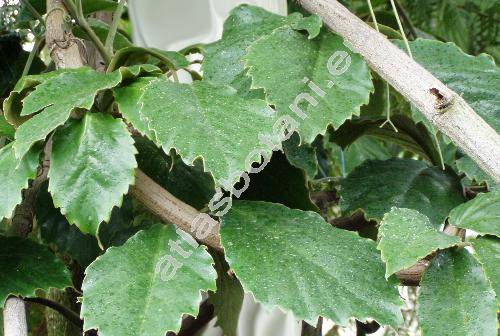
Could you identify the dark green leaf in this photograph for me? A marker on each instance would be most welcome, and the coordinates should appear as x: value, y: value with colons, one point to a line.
x: 377, y: 186
x: 26, y: 266
x: 301, y: 156
x: 487, y: 251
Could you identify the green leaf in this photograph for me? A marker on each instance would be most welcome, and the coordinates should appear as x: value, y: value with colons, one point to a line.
x: 292, y: 59
x: 487, y: 251
x: 295, y: 260
x: 14, y: 176
x: 223, y: 62
x: 141, y: 302
x: 279, y: 182
x: 64, y: 238
x: 456, y: 298
x: 406, y: 236
x: 301, y: 156
x: 26, y: 266
x: 92, y: 166
x: 128, y: 100
x: 188, y: 183
x: 56, y: 98
x: 476, y: 77
x: 481, y: 214
x: 6, y: 129
x: 202, y: 120
x: 312, y: 24
x: 377, y: 186
x: 228, y: 299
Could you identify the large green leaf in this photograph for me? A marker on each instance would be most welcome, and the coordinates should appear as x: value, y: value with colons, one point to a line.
x: 482, y: 214
x: 476, y: 77
x: 14, y: 177
x: 406, y: 236
x: 377, y: 186
x: 295, y: 260
x: 223, y: 62
x: 202, y: 120
x: 456, y: 298
x: 56, y: 98
x: 487, y: 251
x: 92, y: 166
x: 124, y: 292
x: 65, y: 239
x: 293, y: 59
x: 26, y: 266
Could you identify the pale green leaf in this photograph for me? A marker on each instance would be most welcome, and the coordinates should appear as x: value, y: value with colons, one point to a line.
x: 124, y: 295
x: 56, y: 98
x: 14, y: 177
x: 26, y: 266
x: 202, y: 120
x: 406, y: 236
x: 481, y: 214
x: 487, y: 251
x: 456, y: 298
x: 377, y: 186
x: 92, y: 166
x: 295, y: 260
x: 283, y: 61
x: 223, y: 59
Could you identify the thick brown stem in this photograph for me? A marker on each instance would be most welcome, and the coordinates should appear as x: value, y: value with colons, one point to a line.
x: 63, y: 46
x: 457, y: 119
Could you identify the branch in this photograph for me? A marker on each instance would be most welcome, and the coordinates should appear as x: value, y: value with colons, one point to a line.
x: 14, y: 317
x: 63, y: 47
x: 457, y: 120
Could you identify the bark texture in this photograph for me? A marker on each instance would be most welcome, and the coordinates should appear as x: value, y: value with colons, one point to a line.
x: 451, y: 114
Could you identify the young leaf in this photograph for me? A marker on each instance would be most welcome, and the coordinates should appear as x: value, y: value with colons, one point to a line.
x: 140, y: 302
x: 202, y: 120
x: 406, y: 236
x: 295, y: 260
x: 92, y: 166
x: 223, y: 59
x: 56, y: 98
x: 342, y: 79
x: 377, y: 186
x: 456, y: 298
x: 14, y: 176
x: 481, y: 214
x: 487, y: 251
x: 26, y: 266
